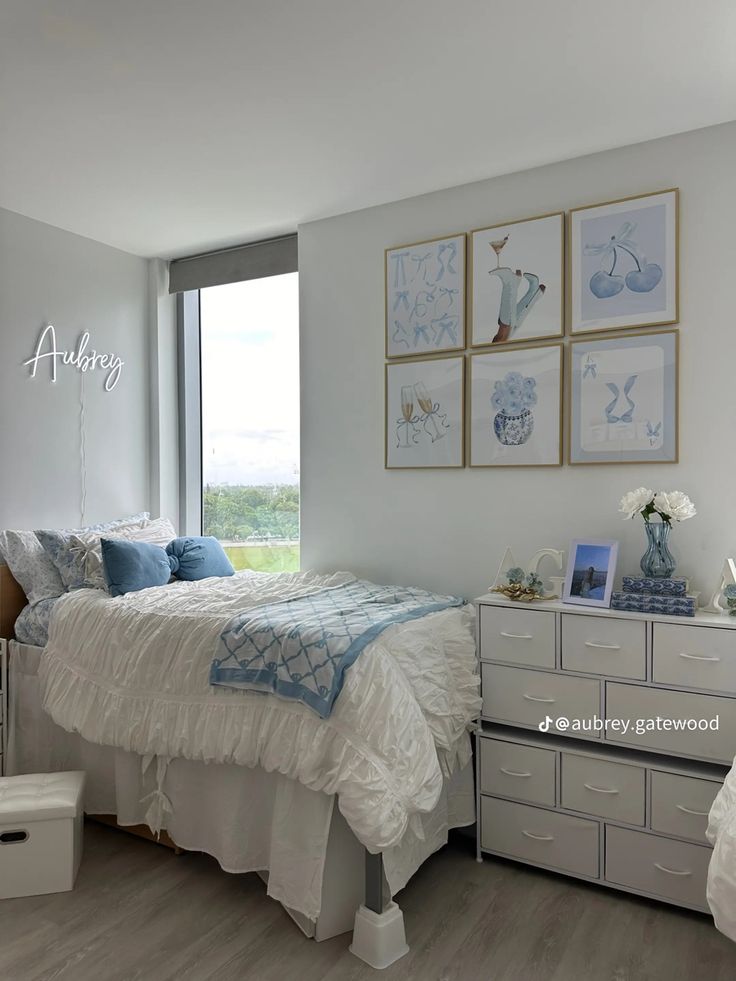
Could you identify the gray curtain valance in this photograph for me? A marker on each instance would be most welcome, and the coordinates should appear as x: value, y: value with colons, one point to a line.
x: 270, y: 258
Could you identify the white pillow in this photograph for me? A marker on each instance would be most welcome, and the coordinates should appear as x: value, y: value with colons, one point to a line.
x: 86, y: 549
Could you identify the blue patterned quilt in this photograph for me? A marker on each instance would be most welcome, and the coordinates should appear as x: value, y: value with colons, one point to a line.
x: 301, y: 648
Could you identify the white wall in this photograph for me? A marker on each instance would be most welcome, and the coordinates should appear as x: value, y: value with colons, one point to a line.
x: 51, y: 276
x: 447, y: 529
x: 164, y: 383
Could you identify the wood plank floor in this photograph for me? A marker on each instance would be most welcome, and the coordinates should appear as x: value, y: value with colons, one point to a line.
x: 140, y: 913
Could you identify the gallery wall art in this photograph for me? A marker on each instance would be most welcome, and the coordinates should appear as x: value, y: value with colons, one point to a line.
x: 517, y: 281
x: 623, y: 263
x: 623, y: 399
x: 621, y: 381
x: 425, y: 297
x: 516, y: 407
x: 424, y: 413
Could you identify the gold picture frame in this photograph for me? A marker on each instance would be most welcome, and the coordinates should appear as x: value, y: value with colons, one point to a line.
x: 425, y: 297
x: 414, y: 441
x: 544, y: 277
x: 575, y: 452
x: 635, y: 305
x: 477, y: 431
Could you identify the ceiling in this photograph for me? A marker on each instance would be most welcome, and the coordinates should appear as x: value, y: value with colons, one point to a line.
x: 170, y: 127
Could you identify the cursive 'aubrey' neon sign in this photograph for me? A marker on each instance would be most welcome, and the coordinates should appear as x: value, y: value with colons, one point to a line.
x: 78, y: 358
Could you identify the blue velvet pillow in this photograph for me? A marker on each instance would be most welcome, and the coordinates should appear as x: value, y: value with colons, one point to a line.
x: 198, y: 558
x: 130, y: 566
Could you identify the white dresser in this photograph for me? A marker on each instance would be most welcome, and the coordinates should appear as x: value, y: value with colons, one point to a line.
x: 642, y: 729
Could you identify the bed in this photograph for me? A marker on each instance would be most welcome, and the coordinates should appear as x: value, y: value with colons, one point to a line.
x: 304, y: 802
x: 721, y: 889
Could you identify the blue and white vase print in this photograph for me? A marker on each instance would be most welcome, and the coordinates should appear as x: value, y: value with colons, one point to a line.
x: 513, y: 399
x: 513, y: 430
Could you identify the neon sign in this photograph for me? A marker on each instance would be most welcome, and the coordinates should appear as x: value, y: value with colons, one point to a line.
x: 78, y: 358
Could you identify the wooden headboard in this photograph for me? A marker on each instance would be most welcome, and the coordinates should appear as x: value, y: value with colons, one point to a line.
x: 12, y: 601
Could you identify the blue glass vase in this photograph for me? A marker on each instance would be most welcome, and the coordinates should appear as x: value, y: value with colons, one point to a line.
x: 657, y: 562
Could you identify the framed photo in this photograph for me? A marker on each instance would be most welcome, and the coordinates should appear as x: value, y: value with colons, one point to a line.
x: 516, y: 407
x: 623, y: 399
x: 590, y: 572
x: 624, y: 263
x: 425, y: 297
x: 424, y: 413
x: 517, y: 278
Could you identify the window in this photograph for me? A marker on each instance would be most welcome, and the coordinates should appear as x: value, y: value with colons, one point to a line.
x: 249, y: 364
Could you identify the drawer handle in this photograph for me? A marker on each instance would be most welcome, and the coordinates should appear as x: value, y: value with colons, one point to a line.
x: 663, y: 868
x: 517, y: 636
x: 600, y: 790
x: 687, y: 810
x: 699, y: 657
x: 529, y: 834
x: 534, y: 698
x: 513, y: 773
x: 603, y: 647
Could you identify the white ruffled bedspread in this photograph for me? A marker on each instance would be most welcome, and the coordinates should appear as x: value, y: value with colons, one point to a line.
x: 132, y: 672
x: 721, y: 889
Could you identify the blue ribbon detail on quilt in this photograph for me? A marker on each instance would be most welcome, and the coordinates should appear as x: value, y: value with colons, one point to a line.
x: 301, y: 648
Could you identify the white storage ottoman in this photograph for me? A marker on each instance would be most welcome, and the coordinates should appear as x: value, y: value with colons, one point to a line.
x: 40, y: 833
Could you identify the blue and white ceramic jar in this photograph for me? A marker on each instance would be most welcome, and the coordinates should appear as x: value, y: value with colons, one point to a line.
x: 513, y: 430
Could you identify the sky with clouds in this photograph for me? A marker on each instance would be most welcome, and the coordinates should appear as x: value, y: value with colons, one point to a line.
x: 250, y: 382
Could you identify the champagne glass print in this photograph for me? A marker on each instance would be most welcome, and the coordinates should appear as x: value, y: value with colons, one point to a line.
x: 497, y: 245
x: 432, y: 427
x: 408, y: 420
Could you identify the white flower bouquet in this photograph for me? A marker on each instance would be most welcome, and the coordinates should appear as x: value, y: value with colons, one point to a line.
x: 669, y: 505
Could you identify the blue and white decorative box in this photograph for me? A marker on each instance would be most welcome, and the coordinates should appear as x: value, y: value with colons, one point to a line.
x: 655, y: 587
x: 680, y: 606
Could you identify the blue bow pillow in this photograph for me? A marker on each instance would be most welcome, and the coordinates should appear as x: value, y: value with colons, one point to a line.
x: 198, y: 558
x: 130, y: 566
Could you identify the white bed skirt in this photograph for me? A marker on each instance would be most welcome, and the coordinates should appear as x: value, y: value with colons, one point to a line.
x: 248, y: 819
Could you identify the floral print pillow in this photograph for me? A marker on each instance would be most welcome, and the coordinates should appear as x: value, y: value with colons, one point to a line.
x: 31, y: 565
x: 32, y: 626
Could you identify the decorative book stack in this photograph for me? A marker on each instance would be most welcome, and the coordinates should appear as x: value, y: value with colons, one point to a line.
x: 643, y: 595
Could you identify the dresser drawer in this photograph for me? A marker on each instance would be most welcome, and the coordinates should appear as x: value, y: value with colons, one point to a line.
x: 548, y: 838
x: 680, y: 805
x: 604, y: 645
x: 524, y: 772
x: 528, y: 697
x: 609, y: 790
x: 520, y: 636
x: 695, y: 657
x: 637, y: 703
x: 674, y: 870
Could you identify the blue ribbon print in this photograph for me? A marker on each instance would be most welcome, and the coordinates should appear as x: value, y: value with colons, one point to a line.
x: 400, y: 335
x: 654, y: 433
x: 422, y: 262
x: 629, y: 414
x: 446, y: 264
x: 401, y: 299
x: 445, y: 325
x: 424, y: 314
x: 399, y: 272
